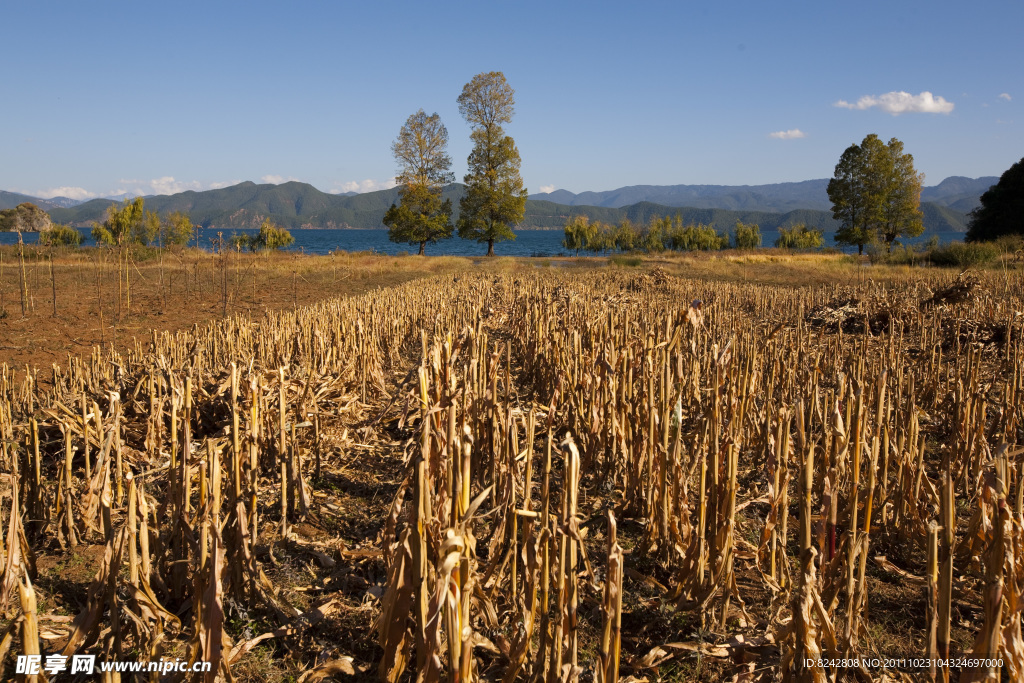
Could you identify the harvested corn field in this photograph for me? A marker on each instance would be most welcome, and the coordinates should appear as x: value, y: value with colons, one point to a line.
x: 552, y: 476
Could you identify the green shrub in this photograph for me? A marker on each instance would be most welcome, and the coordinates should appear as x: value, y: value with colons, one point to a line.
x: 746, y: 236
x: 964, y: 254
x: 270, y: 237
x: 899, y: 255
x: 239, y: 241
x: 144, y: 252
x: 177, y: 230
x: 800, y: 236
x: 1009, y: 244
x: 101, y: 235
x: 61, y: 236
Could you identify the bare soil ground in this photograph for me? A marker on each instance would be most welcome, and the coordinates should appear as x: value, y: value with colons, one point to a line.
x: 86, y: 302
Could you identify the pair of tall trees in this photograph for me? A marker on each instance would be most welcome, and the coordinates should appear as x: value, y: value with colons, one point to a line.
x: 494, y: 200
x: 876, y: 194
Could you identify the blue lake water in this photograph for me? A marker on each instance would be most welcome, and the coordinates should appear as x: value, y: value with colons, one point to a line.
x: 527, y: 242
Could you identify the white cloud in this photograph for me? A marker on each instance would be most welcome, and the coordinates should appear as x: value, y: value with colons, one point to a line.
x: 788, y: 134
x: 165, y: 185
x: 901, y: 102
x: 221, y: 185
x: 70, y: 192
x: 546, y: 189
x: 168, y: 185
x: 1005, y: 96
x: 362, y: 186
x: 277, y: 179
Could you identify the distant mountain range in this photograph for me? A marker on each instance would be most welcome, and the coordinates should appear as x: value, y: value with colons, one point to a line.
x: 12, y: 199
x: 298, y: 205
x: 9, y: 200
x: 958, y: 193
x: 63, y: 202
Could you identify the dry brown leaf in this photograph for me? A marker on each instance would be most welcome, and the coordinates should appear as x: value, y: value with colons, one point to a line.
x: 342, y: 665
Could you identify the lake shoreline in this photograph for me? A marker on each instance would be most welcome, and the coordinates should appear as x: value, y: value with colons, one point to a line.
x: 536, y: 243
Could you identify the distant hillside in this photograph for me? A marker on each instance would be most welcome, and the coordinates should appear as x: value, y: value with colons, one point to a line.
x: 958, y: 193
x: 293, y: 205
x: 63, y: 202
x: 9, y: 200
x: 299, y: 205
x: 938, y: 218
x: 779, y: 197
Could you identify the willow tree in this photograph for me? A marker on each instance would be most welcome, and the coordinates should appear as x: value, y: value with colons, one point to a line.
x: 495, y: 199
x: 122, y: 225
x: 421, y: 151
x: 177, y: 230
x: 148, y: 229
x: 579, y: 233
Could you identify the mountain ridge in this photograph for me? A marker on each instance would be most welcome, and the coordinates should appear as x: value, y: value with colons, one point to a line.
x: 957, y: 192
x: 298, y: 205
x: 9, y: 200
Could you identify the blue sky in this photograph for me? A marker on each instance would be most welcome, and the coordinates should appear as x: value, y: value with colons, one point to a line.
x: 104, y: 97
